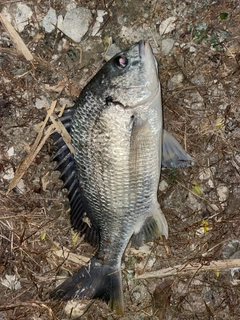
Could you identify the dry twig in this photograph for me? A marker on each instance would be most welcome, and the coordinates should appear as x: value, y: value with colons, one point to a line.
x: 189, y: 268
x: 16, y: 39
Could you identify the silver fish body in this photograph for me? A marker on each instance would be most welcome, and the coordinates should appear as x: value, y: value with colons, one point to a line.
x: 116, y: 131
x: 118, y: 150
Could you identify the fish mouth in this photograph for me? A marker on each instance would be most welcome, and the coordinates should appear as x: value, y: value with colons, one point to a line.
x: 144, y: 48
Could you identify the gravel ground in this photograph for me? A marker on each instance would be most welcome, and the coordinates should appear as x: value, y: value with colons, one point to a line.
x: 197, y: 47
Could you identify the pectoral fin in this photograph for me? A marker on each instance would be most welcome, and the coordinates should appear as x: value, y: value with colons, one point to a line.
x: 173, y: 155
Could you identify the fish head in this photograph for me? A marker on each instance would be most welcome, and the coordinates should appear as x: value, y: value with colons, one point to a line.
x: 130, y: 77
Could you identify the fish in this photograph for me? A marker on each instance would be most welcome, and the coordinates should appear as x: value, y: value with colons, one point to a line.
x: 116, y: 129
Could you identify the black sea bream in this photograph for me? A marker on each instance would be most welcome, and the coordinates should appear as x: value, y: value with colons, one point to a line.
x: 112, y: 180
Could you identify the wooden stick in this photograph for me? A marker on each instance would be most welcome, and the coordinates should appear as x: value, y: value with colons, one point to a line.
x: 16, y: 39
x: 36, y: 147
x: 190, y: 268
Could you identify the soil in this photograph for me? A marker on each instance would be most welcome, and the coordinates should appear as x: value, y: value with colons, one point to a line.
x: 200, y: 92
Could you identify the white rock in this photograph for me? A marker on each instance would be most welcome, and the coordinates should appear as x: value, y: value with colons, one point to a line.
x: 9, y: 174
x: 167, y: 25
x: 162, y: 185
x: 100, y: 15
x: 67, y: 102
x: 175, y: 81
x: 10, y: 152
x: 41, y: 103
x: 206, y: 174
x: 96, y: 28
x: 75, y: 309
x: 167, y: 45
x: 193, y: 202
x: 112, y: 50
x: 99, y: 20
x: 223, y: 193
x: 22, y: 16
x: 21, y: 186
x: 50, y: 20
x: 71, y: 6
x: 60, y: 22
x: 6, y: 14
x: 192, y: 49
x: 76, y: 23
x: 194, y: 101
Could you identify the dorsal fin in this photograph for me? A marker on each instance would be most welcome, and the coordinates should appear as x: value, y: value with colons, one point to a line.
x: 66, y: 165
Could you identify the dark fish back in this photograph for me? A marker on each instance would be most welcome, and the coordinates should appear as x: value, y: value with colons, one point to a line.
x: 66, y: 166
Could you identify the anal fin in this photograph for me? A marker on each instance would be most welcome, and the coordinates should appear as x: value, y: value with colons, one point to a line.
x: 154, y: 226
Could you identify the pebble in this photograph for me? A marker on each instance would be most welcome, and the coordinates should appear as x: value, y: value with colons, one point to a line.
x: 194, y: 101
x: 167, y: 45
x: 19, y: 16
x: 22, y: 16
x: 41, y: 103
x: 9, y: 174
x: 80, y: 18
x: 76, y: 309
x: 193, y: 202
x: 10, y: 152
x: 206, y: 175
x: 223, y: 193
x: 175, y: 81
x: 99, y: 20
x: 50, y: 20
x: 163, y: 185
x: 112, y: 50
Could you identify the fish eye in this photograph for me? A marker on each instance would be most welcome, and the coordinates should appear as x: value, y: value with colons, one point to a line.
x: 120, y: 62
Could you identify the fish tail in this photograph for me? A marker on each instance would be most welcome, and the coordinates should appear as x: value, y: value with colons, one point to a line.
x: 93, y: 281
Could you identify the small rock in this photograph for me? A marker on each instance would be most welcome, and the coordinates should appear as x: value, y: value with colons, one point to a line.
x: 232, y: 251
x: 112, y: 50
x: 163, y: 185
x: 21, y: 186
x: 60, y: 22
x: 80, y: 18
x: 71, y: 6
x: 175, y: 81
x: 41, y: 103
x: 167, y: 25
x: 100, y: 14
x: 167, y: 45
x: 223, y: 193
x: 50, y: 20
x: 99, y: 20
x: 22, y: 16
x: 9, y: 174
x: 206, y: 174
x: 192, y: 49
x: 10, y: 152
x: 19, y: 16
x: 194, y: 101
x: 75, y: 309
x: 65, y: 101
x: 193, y: 202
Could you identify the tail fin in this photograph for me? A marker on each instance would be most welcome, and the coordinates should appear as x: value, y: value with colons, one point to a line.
x: 95, y: 280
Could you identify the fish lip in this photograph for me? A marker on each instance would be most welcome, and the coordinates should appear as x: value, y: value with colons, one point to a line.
x: 144, y: 49
x: 141, y: 48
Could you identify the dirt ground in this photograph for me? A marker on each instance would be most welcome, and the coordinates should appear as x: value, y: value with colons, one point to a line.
x: 198, y: 51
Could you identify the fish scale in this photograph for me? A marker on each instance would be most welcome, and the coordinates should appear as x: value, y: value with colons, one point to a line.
x: 112, y: 180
